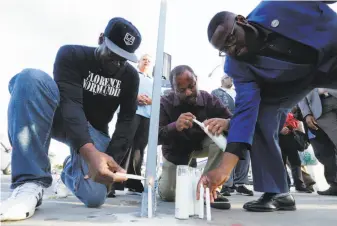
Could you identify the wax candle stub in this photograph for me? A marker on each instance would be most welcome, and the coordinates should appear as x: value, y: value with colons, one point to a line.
x: 208, y: 205
x: 201, y: 203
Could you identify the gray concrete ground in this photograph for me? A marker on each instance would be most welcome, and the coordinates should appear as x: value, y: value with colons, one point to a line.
x: 312, y: 210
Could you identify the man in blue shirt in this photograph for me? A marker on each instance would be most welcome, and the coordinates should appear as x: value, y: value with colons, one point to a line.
x: 140, y: 123
x: 276, y: 56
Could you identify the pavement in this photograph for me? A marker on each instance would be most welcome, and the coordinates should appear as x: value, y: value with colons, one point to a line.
x: 312, y: 210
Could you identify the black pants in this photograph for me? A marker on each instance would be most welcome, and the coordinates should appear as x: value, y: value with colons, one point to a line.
x: 290, y: 153
x: 326, y: 153
x: 140, y: 133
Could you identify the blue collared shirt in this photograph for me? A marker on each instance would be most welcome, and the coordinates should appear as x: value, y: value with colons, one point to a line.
x: 145, y: 87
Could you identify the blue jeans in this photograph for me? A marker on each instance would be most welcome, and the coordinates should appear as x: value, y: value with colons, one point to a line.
x: 33, y: 119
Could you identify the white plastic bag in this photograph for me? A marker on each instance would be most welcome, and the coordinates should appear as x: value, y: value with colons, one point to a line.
x: 308, y: 157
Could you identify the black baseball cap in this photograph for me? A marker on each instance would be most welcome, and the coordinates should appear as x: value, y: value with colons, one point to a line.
x: 122, y: 38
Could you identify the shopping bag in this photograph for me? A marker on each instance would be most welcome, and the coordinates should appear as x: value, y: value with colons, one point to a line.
x: 308, y: 157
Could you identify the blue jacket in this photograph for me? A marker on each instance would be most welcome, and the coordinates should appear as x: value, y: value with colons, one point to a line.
x: 311, y: 23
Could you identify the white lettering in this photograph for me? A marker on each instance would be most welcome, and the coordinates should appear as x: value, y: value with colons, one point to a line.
x: 98, y: 84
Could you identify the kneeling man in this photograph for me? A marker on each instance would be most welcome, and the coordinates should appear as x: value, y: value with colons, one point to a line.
x: 182, y: 140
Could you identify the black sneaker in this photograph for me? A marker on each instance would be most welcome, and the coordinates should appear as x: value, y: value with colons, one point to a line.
x: 134, y: 186
x: 243, y: 190
x: 311, y: 188
x: 225, y: 191
x: 221, y: 203
x: 232, y: 189
x: 112, y: 194
x: 303, y: 189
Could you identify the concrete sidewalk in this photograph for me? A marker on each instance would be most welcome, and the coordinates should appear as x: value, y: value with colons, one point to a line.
x: 312, y: 210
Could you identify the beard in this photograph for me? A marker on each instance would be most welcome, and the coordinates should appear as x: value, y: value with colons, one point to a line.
x: 190, y: 100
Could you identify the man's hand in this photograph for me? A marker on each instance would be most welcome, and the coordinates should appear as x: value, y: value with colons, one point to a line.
x: 217, y: 125
x: 148, y: 100
x: 102, y: 167
x: 213, y: 179
x: 285, y: 131
x: 311, y: 122
x: 141, y: 99
x: 185, y: 121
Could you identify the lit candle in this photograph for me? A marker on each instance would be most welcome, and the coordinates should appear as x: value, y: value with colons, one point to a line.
x: 149, y: 198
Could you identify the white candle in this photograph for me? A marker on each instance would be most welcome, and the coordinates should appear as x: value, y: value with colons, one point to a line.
x: 149, y: 201
x: 182, y: 209
x: 208, y: 205
x: 196, y: 179
x: 130, y: 176
x: 192, y: 190
x: 201, y: 202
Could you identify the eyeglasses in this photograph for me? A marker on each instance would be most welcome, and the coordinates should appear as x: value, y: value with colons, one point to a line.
x: 230, y: 41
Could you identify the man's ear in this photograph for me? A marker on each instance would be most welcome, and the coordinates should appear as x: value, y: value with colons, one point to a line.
x: 101, y: 39
x: 241, y: 19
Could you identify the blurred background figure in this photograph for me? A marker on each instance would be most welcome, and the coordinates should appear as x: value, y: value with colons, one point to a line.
x: 319, y: 109
x: 141, y: 122
x: 289, y: 149
x: 239, y: 177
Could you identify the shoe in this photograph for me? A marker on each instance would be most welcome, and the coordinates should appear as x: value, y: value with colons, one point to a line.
x: 134, y: 186
x: 332, y: 191
x: 111, y: 192
x: 221, y: 203
x: 303, y: 189
x: 232, y: 189
x: 243, y: 190
x: 22, y: 203
x: 60, y: 189
x: 270, y: 202
x: 225, y: 191
x: 311, y: 188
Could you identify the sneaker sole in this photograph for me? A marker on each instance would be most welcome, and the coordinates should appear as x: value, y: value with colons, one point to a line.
x: 221, y: 205
x: 22, y: 217
x: 244, y: 194
x: 286, y: 208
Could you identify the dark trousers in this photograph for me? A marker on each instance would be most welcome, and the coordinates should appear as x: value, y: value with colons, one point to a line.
x: 290, y: 153
x: 140, y: 133
x: 326, y: 153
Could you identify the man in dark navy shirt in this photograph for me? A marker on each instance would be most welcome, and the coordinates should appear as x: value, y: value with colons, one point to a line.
x: 75, y: 108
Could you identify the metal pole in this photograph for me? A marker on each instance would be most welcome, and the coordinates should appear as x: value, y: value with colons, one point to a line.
x: 154, y: 121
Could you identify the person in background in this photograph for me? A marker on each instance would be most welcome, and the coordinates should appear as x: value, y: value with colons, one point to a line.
x: 319, y: 109
x: 290, y: 152
x: 239, y: 177
x: 141, y: 123
x: 307, y: 179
